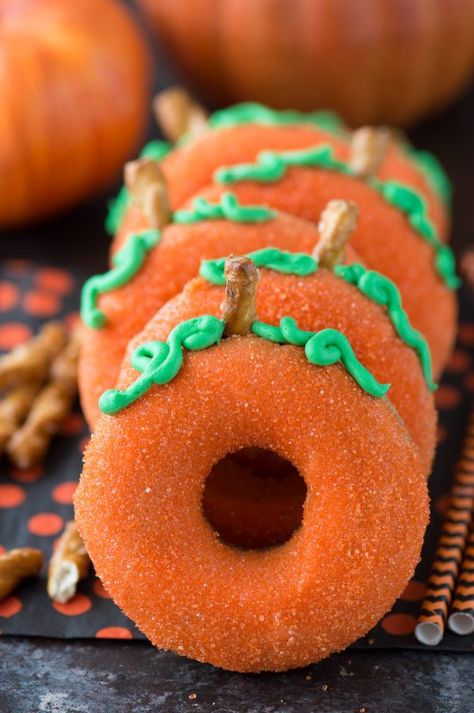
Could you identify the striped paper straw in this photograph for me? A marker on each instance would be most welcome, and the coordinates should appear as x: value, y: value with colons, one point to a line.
x: 452, y: 541
x: 461, y: 619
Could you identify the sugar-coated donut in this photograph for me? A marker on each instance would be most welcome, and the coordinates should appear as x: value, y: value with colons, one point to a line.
x: 383, y: 238
x: 138, y: 508
x: 189, y: 168
x: 166, y: 269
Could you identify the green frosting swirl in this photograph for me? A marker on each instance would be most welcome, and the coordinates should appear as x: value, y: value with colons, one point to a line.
x: 252, y: 113
x: 384, y: 292
x: 126, y: 263
x: 433, y: 171
x: 272, y: 166
x: 159, y: 362
x: 118, y: 206
x: 323, y: 348
x: 228, y: 208
x: 299, y: 264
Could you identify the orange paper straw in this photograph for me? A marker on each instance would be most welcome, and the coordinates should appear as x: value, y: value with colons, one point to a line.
x: 461, y: 619
x: 452, y: 541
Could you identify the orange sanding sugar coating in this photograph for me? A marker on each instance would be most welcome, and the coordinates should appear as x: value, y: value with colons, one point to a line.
x: 383, y: 238
x: 166, y: 269
x: 138, y: 507
x: 190, y: 168
x: 318, y: 301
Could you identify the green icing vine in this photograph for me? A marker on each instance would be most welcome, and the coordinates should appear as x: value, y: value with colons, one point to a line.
x: 433, y: 171
x: 126, y: 263
x: 272, y: 166
x: 118, y: 206
x: 160, y: 362
x: 299, y: 264
x: 228, y: 208
x: 384, y: 292
x: 323, y: 348
x: 250, y: 113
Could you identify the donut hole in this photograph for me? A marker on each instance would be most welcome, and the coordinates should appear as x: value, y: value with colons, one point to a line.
x: 253, y: 498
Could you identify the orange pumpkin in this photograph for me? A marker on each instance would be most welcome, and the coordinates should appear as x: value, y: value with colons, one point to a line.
x: 373, y: 62
x: 73, y: 101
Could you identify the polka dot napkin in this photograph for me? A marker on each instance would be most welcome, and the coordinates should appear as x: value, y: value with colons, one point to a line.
x: 35, y: 504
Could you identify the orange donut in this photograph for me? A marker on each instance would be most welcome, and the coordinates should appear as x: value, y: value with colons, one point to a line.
x: 166, y: 269
x: 191, y: 167
x: 383, y: 238
x: 138, y: 507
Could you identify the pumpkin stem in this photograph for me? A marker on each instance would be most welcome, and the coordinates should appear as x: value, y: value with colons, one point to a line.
x: 147, y: 187
x: 239, y: 308
x: 336, y: 224
x: 369, y: 148
x: 177, y: 113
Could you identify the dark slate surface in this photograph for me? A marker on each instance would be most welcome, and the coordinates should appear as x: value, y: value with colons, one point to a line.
x: 39, y: 675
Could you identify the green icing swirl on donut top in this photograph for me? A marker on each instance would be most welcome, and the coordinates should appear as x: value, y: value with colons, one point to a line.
x: 228, y: 208
x: 126, y: 263
x: 372, y: 284
x: 273, y: 165
x: 433, y: 171
x: 252, y: 113
x: 118, y: 206
x: 159, y: 362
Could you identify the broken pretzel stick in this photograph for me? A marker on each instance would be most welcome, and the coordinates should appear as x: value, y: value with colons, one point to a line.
x: 16, y: 565
x: 69, y: 563
x: 369, y: 148
x: 336, y: 225
x: 147, y: 187
x: 28, y: 445
x: 239, y: 309
x: 30, y: 361
x: 14, y: 408
x: 177, y: 114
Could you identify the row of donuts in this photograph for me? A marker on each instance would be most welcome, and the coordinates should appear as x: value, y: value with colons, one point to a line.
x: 355, y: 278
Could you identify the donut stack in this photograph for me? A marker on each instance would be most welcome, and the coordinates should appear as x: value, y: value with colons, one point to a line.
x: 258, y: 366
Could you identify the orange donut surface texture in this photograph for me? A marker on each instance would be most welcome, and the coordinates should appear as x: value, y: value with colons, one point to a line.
x: 167, y: 268
x: 318, y: 301
x: 138, y: 508
x: 383, y: 238
x: 191, y: 167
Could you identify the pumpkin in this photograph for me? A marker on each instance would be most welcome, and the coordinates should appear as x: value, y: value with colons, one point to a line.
x: 138, y: 504
x: 73, y: 102
x: 390, y: 63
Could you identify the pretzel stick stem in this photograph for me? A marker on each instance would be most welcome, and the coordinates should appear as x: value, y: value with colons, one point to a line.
x: 178, y: 113
x: 239, y: 309
x: 369, y: 148
x: 147, y: 187
x: 337, y: 223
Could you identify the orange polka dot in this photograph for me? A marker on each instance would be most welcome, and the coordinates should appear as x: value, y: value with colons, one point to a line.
x: 79, y: 604
x: 441, y: 434
x: 72, y: 424
x: 64, y: 492
x: 55, y: 280
x: 466, y: 334
x: 399, y: 624
x: 442, y: 503
x: 12, y: 334
x: 114, y: 632
x: 45, y: 524
x: 459, y: 361
x: 29, y: 475
x: 11, y: 496
x: 41, y: 304
x: 10, y: 606
x: 8, y: 295
x: 447, y: 397
x: 413, y: 591
x: 100, y: 590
